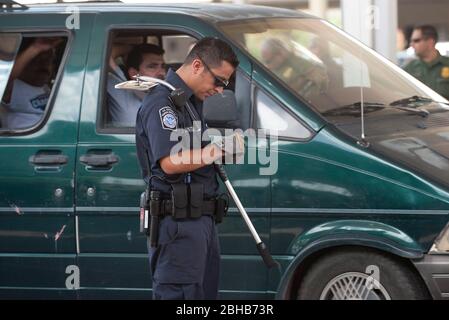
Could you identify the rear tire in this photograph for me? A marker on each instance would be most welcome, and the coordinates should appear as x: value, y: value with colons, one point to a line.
x: 354, y: 274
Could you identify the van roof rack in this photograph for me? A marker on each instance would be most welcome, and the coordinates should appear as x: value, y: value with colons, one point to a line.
x: 10, y: 5
x: 14, y: 5
x: 84, y: 1
x: 78, y: 1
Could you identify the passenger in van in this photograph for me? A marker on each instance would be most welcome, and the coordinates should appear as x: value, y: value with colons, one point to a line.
x: 145, y: 60
x: 301, y: 74
x: 322, y: 51
x: 28, y: 89
x: 119, y: 52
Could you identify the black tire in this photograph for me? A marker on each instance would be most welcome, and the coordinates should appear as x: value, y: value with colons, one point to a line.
x: 394, y: 276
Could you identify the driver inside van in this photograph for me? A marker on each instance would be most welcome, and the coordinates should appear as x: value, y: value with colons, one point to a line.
x: 145, y: 60
x: 304, y: 76
x: 28, y: 89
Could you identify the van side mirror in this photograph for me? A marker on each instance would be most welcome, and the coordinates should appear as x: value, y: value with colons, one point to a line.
x: 220, y: 111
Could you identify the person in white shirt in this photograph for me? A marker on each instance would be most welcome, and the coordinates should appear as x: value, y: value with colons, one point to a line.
x: 28, y: 90
x: 145, y: 60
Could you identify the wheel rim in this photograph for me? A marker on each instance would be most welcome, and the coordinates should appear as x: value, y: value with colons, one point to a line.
x: 354, y: 286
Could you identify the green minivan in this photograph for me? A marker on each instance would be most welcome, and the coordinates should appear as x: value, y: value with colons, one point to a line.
x: 349, y: 189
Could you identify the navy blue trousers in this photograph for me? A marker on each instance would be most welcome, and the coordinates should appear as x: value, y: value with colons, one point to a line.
x: 186, y: 263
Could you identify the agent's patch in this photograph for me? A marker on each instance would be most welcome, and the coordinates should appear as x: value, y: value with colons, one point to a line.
x: 445, y: 73
x: 169, y: 120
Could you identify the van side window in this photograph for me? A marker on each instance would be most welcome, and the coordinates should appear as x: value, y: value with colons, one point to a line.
x: 9, y: 45
x: 138, y: 52
x: 176, y: 49
x: 271, y: 116
x: 30, y: 80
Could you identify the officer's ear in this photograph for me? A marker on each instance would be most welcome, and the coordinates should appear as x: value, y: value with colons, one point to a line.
x: 197, y: 66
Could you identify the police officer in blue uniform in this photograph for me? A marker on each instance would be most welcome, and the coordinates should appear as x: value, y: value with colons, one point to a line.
x: 185, y: 261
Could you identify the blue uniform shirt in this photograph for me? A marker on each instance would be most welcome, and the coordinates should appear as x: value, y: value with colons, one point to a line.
x: 156, y: 120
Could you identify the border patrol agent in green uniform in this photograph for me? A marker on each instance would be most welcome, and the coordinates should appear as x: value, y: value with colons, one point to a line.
x: 431, y: 68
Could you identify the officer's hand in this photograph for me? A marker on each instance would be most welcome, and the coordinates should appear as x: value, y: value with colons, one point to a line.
x: 231, y: 144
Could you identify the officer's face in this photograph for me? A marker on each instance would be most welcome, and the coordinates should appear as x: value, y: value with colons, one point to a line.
x: 211, y: 80
x: 421, y: 44
x: 152, y: 65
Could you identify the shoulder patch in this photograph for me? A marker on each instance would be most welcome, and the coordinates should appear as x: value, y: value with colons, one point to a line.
x: 169, y: 119
x: 445, y: 73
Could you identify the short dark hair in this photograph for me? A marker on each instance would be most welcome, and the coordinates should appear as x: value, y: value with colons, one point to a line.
x: 428, y: 32
x: 212, y: 51
x: 135, y: 56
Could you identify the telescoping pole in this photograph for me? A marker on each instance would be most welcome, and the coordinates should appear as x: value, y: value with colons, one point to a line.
x: 263, y: 250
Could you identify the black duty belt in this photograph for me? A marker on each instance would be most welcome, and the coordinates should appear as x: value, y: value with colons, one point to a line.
x: 207, y: 208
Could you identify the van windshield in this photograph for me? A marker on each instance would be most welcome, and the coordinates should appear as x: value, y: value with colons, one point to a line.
x: 403, y: 118
x: 323, y: 65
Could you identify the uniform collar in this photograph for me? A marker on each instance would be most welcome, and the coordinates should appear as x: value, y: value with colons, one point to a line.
x: 437, y: 60
x: 175, y: 80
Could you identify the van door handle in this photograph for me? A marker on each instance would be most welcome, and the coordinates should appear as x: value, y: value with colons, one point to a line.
x: 99, y: 160
x: 44, y: 159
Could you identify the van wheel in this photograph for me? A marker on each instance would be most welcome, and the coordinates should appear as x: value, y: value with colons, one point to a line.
x: 360, y: 275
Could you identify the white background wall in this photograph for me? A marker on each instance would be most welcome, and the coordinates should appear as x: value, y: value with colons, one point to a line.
x: 434, y: 12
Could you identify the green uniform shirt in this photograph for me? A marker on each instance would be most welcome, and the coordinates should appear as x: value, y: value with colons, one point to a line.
x: 434, y: 74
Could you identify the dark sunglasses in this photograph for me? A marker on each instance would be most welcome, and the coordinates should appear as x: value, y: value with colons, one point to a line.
x: 218, y: 82
x: 417, y: 40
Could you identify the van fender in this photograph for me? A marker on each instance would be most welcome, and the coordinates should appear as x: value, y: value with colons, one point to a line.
x: 361, y: 233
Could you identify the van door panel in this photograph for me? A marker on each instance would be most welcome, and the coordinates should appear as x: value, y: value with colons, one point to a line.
x: 37, y: 215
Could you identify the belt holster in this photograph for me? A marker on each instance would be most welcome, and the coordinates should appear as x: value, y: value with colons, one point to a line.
x: 221, y: 208
x: 187, y: 200
x: 155, y: 213
x: 196, y: 200
x: 180, y: 201
x: 145, y: 212
x: 150, y: 212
